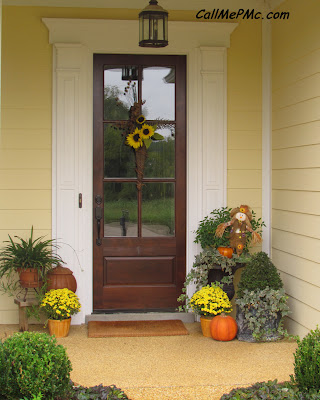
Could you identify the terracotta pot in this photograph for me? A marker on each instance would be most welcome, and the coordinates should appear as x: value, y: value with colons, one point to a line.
x: 29, y: 278
x: 59, y: 328
x: 205, y: 326
x: 60, y: 278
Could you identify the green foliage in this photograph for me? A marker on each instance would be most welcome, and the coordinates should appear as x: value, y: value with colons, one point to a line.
x: 209, y: 259
x: 36, y: 366
x: 259, y: 274
x: 264, y: 311
x: 38, y: 397
x: 157, y: 211
x: 3, y: 372
x: 205, y: 234
x: 271, y: 390
x: 99, y: 392
x: 261, y: 299
x: 307, y: 362
x: 30, y: 253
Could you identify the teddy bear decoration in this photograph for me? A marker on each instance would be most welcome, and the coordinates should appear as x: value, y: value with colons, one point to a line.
x: 240, y: 224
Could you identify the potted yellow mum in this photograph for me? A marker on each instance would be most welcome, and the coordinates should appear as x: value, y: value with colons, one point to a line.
x: 209, y: 302
x: 59, y: 305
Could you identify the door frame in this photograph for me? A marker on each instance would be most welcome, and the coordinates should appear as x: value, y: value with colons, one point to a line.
x: 167, y: 253
x: 74, y: 42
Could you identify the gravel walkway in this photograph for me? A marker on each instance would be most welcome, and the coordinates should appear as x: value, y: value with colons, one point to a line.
x: 189, y: 367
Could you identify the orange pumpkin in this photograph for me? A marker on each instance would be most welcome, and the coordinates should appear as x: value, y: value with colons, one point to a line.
x: 223, y: 327
x: 225, y: 251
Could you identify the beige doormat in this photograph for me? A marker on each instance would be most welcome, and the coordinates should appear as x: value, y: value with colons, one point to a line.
x: 100, y: 329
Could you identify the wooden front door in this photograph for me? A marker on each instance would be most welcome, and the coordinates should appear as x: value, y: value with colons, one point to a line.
x: 139, y: 220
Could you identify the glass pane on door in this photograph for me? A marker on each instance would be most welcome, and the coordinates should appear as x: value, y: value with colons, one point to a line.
x: 117, y: 101
x: 158, y: 92
x: 160, y: 162
x: 158, y: 209
x: 120, y: 209
x: 119, y: 160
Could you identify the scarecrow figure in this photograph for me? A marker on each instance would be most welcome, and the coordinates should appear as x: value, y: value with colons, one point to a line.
x: 240, y: 224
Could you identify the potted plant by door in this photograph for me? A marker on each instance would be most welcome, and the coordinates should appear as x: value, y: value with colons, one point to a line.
x: 31, y: 259
x: 59, y: 305
x: 229, y: 232
x: 209, y: 302
x: 261, y: 301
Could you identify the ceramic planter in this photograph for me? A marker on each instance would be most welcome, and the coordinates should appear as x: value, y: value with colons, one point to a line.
x: 59, y: 328
x: 29, y: 278
x: 205, y: 326
x: 60, y: 278
x: 271, y: 325
x: 216, y: 274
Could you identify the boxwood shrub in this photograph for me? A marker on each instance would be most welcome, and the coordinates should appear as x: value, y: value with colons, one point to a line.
x: 307, y: 362
x: 34, y: 365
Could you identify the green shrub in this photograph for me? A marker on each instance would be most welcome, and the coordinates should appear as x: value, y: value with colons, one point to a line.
x: 3, y: 372
x: 307, y: 362
x: 36, y: 366
x: 98, y: 392
x: 258, y: 274
x: 271, y: 390
x: 205, y: 234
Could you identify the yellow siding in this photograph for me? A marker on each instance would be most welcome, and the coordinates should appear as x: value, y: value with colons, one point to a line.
x: 244, y: 116
x: 296, y: 160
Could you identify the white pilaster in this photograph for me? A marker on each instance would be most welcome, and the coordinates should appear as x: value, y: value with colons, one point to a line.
x: 266, y: 134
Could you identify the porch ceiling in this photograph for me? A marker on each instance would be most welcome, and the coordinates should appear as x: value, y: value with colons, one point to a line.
x: 139, y: 4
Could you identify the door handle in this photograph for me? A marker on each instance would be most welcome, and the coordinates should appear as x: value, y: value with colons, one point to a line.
x: 98, y: 215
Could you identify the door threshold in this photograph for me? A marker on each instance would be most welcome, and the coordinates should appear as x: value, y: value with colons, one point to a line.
x: 141, y: 316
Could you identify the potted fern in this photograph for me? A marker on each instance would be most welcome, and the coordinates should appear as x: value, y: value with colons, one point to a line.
x: 25, y: 263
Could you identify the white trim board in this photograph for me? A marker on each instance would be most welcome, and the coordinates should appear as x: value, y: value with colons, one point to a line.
x: 74, y: 43
x: 266, y: 134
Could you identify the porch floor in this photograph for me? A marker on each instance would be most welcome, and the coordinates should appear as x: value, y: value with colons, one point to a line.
x: 190, y: 367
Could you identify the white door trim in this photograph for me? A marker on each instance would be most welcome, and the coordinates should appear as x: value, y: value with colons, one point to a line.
x: 74, y: 43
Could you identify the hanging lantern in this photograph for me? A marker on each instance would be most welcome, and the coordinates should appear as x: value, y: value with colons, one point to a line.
x: 129, y: 73
x: 153, y: 26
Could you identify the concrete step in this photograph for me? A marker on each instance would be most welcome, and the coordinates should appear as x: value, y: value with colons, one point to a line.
x: 148, y: 316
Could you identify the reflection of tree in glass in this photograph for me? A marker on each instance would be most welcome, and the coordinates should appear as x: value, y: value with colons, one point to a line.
x: 118, y: 158
x: 161, y: 159
x: 114, y: 109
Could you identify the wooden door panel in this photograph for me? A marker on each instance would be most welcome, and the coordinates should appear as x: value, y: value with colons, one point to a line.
x: 151, y: 298
x: 145, y: 271
x: 138, y: 270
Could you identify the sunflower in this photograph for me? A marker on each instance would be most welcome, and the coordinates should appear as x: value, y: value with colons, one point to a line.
x: 147, y: 131
x: 141, y: 119
x: 134, y: 139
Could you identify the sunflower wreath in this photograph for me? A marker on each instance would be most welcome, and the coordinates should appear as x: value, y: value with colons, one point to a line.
x: 138, y: 134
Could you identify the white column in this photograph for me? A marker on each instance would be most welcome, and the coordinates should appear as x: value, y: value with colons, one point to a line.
x: 72, y: 166
x: 214, y: 129
x: 266, y: 134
